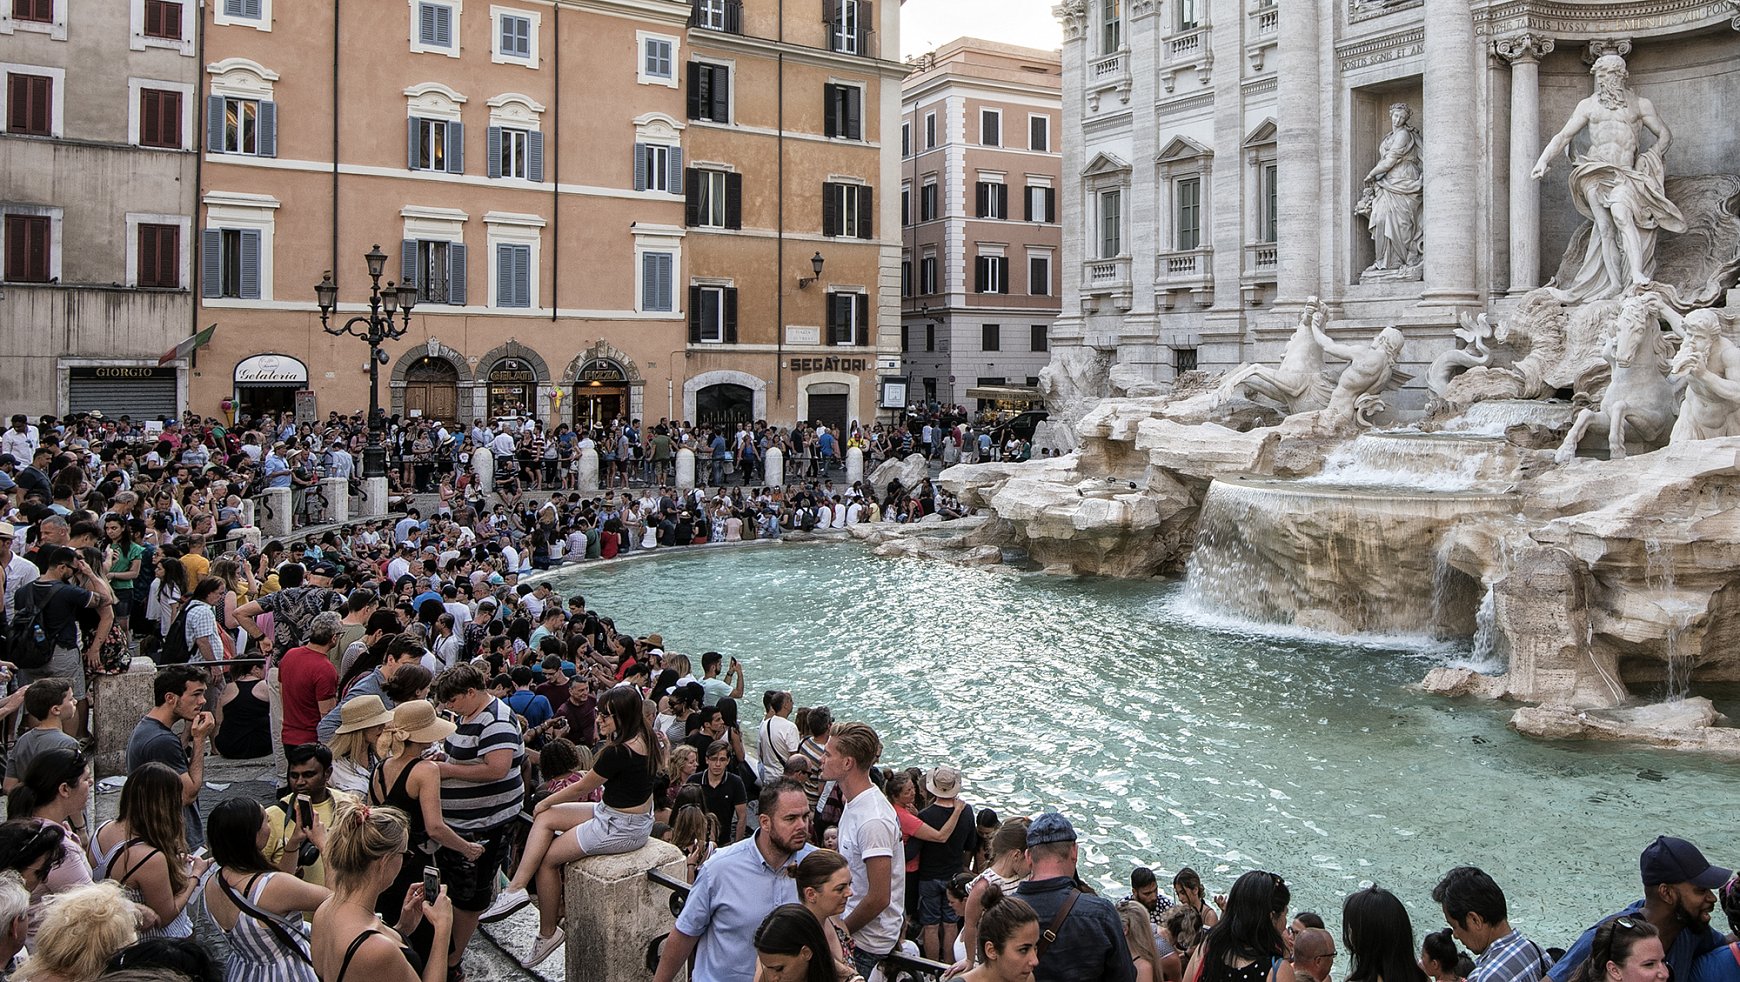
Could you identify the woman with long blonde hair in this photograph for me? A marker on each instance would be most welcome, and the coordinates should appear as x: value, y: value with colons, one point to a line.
x: 81, y: 930
x: 365, y: 851
x: 145, y: 848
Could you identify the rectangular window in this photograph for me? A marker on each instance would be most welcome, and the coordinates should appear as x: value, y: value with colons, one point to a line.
x: 930, y: 345
x: 927, y: 202
x: 29, y: 104
x: 1038, y: 338
x: 1111, y: 224
x: 1041, y: 204
x: 657, y: 59
x: 159, y: 264
x: 160, y: 119
x: 513, y: 276
x: 1183, y: 360
x: 906, y: 139
x: 1039, y: 133
x: 848, y: 319
x: 658, y: 292
x: 992, y: 200
x: 906, y: 277
x: 846, y: 210
x: 843, y: 111
x: 1111, y: 28
x: 930, y: 131
x: 514, y: 36
x: 432, y: 268
x: 711, y: 189
x: 239, y: 263
x: 846, y: 36
x: 243, y: 9
x: 905, y: 205
x: 35, y: 11
x: 712, y: 315
x: 1189, y: 214
x: 1039, y: 276
x: 927, y: 276
x: 1268, y: 217
x: 990, y: 337
x: 432, y: 145
x: 655, y: 164
x: 990, y: 128
x: 710, y: 14
x: 511, y: 157
x: 1189, y: 19
x: 163, y: 20
x: 27, y: 248
x: 709, y: 92
x: 241, y: 126
x: 435, y: 25
x: 991, y: 274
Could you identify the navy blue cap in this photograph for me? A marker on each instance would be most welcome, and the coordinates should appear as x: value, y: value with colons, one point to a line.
x: 1049, y: 827
x: 1671, y: 860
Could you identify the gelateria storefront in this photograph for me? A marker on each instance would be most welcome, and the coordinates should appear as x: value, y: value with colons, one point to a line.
x: 268, y: 384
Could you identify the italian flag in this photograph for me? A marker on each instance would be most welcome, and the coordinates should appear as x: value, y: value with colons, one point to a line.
x: 187, y: 346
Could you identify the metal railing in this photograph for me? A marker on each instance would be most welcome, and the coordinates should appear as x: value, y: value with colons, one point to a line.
x: 896, y: 967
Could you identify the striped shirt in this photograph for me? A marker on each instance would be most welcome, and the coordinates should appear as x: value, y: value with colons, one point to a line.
x: 475, y: 805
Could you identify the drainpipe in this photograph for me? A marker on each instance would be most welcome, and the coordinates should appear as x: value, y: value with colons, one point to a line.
x: 553, y: 143
x: 779, y: 253
x: 195, y: 288
x: 337, y: 19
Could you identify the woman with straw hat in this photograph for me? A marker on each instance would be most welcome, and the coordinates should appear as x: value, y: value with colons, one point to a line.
x: 409, y: 782
x: 361, y: 722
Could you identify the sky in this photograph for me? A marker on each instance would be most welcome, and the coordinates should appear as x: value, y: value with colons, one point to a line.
x: 927, y: 24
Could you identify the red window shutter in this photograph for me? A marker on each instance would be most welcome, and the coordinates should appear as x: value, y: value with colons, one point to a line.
x: 160, y: 256
x: 148, y: 255
x: 159, y: 118
x: 28, y: 101
x: 148, y: 135
x: 40, y: 11
x: 163, y: 19
x: 27, y: 248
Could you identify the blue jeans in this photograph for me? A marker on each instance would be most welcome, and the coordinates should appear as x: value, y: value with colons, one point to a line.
x: 865, y: 962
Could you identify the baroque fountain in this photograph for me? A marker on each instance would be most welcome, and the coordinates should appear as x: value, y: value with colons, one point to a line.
x: 1569, y: 499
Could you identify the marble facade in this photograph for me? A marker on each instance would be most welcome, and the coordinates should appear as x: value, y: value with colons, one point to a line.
x: 1215, y: 153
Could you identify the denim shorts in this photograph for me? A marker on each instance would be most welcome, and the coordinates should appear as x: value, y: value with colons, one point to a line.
x: 471, y: 885
x: 933, y: 903
x: 609, y: 832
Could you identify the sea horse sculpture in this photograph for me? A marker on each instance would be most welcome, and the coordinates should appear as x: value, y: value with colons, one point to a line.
x: 1298, y: 384
x: 1475, y: 332
x: 1642, y: 400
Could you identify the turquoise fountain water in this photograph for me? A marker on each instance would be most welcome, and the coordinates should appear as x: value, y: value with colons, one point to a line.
x: 1171, y: 743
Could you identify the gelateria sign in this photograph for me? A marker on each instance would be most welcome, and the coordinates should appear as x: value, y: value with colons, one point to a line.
x: 271, y: 370
x: 829, y: 364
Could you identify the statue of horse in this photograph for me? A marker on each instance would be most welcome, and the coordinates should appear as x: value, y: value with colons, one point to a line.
x: 1642, y: 400
x: 1299, y: 383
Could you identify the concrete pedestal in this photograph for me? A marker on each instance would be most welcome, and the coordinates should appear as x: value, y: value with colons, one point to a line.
x: 275, y: 518
x: 337, y: 492
x: 483, y: 465
x: 374, y: 497
x: 586, y: 471
x: 774, y: 465
x: 685, y: 468
x: 249, y: 511
x: 854, y: 465
x: 120, y: 701
x: 613, y: 912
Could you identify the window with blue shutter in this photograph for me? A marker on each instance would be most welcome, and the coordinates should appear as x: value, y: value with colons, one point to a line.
x: 515, y: 36
x: 435, y: 25
x: 250, y: 253
x: 513, y: 271
x: 492, y: 147
x: 211, y: 283
x: 657, y: 286
x: 247, y: 9
x: 456, y: 274
x: 268, y: 132
x: 455, y: 148
x: 535, y: 157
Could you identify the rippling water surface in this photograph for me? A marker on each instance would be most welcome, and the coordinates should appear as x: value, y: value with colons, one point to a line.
x: 1169, y: 743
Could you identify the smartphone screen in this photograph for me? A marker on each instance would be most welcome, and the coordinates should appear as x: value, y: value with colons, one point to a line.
x: 431, y: 883
x: 304, y: 811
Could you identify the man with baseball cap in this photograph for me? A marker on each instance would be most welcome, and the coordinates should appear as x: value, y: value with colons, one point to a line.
x: 1679, y: 887
x: 1081, y: 937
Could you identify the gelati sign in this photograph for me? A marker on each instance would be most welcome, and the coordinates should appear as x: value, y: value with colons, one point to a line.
x: 271, y: 370
x: 830, y: 364
x: 511, y: 371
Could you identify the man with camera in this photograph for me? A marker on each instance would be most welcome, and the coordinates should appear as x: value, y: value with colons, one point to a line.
x: 299, y: 820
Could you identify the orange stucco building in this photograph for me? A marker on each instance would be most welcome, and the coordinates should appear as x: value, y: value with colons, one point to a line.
x: 601, y: 203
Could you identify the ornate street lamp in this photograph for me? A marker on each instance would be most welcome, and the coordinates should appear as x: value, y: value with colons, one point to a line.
x: 816, y: 262
x: 376, y: 328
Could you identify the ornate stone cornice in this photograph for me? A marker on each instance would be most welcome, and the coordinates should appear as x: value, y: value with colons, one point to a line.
x: 1388, y: 47
x: 1523, y: 47
x: 1572, y: 19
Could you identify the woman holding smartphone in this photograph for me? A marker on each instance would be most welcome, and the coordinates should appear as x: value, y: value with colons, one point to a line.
x: 366, y: 849
x: 410, y: 782
x: 145, y: 849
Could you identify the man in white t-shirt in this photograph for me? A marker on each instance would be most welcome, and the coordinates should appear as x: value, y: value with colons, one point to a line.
x: 870, y: 841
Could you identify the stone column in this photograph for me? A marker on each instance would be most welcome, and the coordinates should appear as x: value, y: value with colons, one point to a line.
x: 483, y: 465
x: 374, y: 497
x: 586, y: 471
x: 613, y: 912
x: 1452, y: 154
x: 854, y: 465
x: 1298, y: 112
x: 124, y: 697
x: 337, y: 492
x: 685, y: 468
x: 774, y: 464
x: 276, y: 522
x: 1524, y: 52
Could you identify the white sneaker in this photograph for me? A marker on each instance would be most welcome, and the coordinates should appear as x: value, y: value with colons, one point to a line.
x: 506, y: 903
x: 544, y: 948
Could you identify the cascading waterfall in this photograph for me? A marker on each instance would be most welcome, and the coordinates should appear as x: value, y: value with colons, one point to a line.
x: 1419, y: 462
x: 1659, y: 573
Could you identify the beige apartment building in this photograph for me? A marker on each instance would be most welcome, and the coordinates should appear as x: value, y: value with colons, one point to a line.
x: 980, y: 172
x: 97, y: 171
x: 497, y: 153
x: 793, y: 242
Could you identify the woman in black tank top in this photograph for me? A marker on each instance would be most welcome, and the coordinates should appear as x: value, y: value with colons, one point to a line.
x: 408, y: 782
x: 364, y: 851
x: 1247, y: 946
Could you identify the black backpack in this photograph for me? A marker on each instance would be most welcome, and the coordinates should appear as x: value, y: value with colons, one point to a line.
x: 29, y: 644
x: 175, y: 650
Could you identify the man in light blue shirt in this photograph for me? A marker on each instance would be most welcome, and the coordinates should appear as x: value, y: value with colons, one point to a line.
x: 737, y: 889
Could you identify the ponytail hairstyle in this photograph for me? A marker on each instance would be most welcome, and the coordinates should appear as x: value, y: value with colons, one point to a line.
x: 50, y: 771
x: 1614, y: 939
x: 362, y: 835
x: 1440, y: 947
x: 1001, y: 916
x: 816, y: 869
x: 1011, y: 836
x: 790, y: 930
